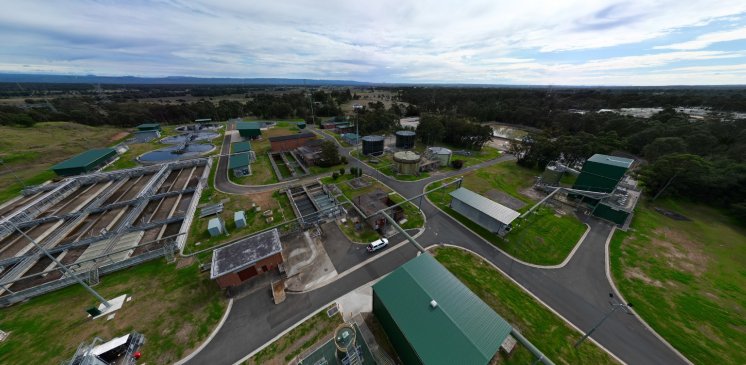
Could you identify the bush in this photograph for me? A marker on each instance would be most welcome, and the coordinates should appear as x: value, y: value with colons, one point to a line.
x: 335, y: 176
x: 457, y: 164
x: 341, y: 171
x: 343, y: 160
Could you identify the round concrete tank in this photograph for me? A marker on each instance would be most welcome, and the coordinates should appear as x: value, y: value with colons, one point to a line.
x: 441, y: 154
x: 407, y: 162
x: 405, y: 139
x: 372, y: 145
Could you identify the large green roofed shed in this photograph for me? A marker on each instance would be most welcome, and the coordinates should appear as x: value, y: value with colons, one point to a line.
x: 149, y: 127
x: 432, y: 318
x: 241, y: 147
x: 239, y: 160
x: 84, y: 162
x: 249, y: 129
x: 602, y: 173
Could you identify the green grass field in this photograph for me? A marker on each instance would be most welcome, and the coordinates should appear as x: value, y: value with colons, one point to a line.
x: 176, y: 309
x: 537, y: 323
x: 545, y: 237
x: 29, y: 152
x: 687, y: 279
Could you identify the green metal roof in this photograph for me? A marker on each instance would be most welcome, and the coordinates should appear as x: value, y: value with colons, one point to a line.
x: 241, y: 147
x: 85, y: 159
x: 461, y: 329
x: 611, y: 160
x: 238, y: 161
x: 248, y: 125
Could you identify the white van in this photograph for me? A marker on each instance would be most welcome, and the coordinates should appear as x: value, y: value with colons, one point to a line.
x: 377, y: 245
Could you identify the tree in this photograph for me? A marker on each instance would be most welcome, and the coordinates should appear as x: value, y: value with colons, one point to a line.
x: 457, y: 164
x: 664, y: 146
x: 329, y: 154
x: 430, y: 130
x: 677, y: 171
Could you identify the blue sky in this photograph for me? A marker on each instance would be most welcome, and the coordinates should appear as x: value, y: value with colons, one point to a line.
x: 510, y: 42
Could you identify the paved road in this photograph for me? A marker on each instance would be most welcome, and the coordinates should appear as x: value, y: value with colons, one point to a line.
x: 578, y: 291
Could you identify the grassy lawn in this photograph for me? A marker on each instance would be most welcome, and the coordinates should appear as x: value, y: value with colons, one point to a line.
x: 261, y: 173
x: 545, y: 237
x: 176, y: 309
x: 297, y: 340
x: 687, y: 279
x: 30, y: 152
x: 539, y: 325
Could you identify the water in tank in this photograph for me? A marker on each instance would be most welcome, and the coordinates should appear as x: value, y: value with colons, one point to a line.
x: 405, y: 139
x: 372, y: 145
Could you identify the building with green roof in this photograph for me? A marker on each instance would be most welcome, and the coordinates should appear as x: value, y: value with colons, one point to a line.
x: 249, y: 129
x: 149, y: 127
x: 432, y: 318
x: 85, y: 162
x: 239, y: 147
x: 239, y: 163
x: 602, y: 173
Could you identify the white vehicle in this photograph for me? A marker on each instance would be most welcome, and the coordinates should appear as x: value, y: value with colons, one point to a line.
x: 377, y: 245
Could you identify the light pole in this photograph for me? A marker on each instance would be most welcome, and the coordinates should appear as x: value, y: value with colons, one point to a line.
x: 614, y: 307
x: 64, y: 268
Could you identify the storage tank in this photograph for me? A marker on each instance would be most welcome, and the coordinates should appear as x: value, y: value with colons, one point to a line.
x: 441, y: 154
x: 407, y: 162
x: 405, y: 139
x: 372, y: 145
x: 551, y: 175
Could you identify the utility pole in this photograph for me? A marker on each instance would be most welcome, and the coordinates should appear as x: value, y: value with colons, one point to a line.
x: 614, y: 307
x: 58, y: 263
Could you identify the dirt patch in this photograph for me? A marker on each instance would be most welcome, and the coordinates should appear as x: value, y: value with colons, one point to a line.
x: 185, y: 262
x: 636, y: 273
x: 532, y: 193
x: 505, y: 199
x: 264, y: 200
x: 671, y: 214
x: 119, y: 136
x: 683, y: 252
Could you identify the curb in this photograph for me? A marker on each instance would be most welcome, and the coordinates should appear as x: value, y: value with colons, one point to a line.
x: 212, y: 335
x: 619, y: 294
x: 532, y: 295
x: 543, y: 267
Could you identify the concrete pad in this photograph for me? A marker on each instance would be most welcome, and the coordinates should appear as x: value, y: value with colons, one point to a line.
x: 116, y: 304
x: 315, y: 270
x: 357, y: 301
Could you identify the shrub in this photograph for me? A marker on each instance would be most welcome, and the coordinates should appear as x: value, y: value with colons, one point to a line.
x: 457, y: 164
x: 335, y: 175
x: 341, y: 171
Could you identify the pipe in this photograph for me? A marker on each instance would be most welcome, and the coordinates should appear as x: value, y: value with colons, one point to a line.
x: 530, y: 347
x: 402, y: 231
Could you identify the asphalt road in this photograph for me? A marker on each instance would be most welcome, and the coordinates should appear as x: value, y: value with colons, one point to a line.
x: 578, y: 291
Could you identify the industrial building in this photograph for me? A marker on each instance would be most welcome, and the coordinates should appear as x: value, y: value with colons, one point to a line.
x: 85, y: 162
x: 351, y: 138
x: 431, y: 318
x: 239, y: 164
x: 290, y: 141
x: 251, y: 256
x: 372, y: 203
x: 149, y: 127
x: 239, y: 147
x: 489, y: 214
x: 250, y: 130
x: 441, y: 154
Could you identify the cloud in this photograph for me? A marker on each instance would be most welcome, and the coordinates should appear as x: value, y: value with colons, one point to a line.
x: 388, y: 41
x: 706, y: 40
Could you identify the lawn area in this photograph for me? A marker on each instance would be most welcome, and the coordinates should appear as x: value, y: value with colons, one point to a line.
x: 545, y: 237
x: 279, y: 203
x: 687, y: 279
x: 297, y: 340
x: 537, y: 323
x: 30, y: 152
x: 176, y: 309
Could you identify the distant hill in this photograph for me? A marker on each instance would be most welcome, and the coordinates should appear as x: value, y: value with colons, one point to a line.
x: 169, y: 80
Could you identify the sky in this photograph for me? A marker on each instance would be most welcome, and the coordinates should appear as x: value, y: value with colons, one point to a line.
x: 567, y: 42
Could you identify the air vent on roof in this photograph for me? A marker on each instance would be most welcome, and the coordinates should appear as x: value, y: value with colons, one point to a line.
x: 433, y: 304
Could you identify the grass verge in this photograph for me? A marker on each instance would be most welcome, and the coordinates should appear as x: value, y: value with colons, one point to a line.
x: 537, y: 323
x: 686, y: 279
x: 176, y: 309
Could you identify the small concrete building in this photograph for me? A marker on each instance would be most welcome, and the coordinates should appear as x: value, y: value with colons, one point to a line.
x: 432, y: 318
x: 441, y: 154
x: 239, y: 218
x: 85, y: 162
x: 149, y: 127
x: 215, y: 227
x: 249, y: 257
x: 489, y: 214
x: 290, y: 142
x: 251, y: 130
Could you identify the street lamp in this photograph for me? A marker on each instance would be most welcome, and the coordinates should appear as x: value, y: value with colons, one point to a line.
x: 64, y: 268
x: 614, y: 307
